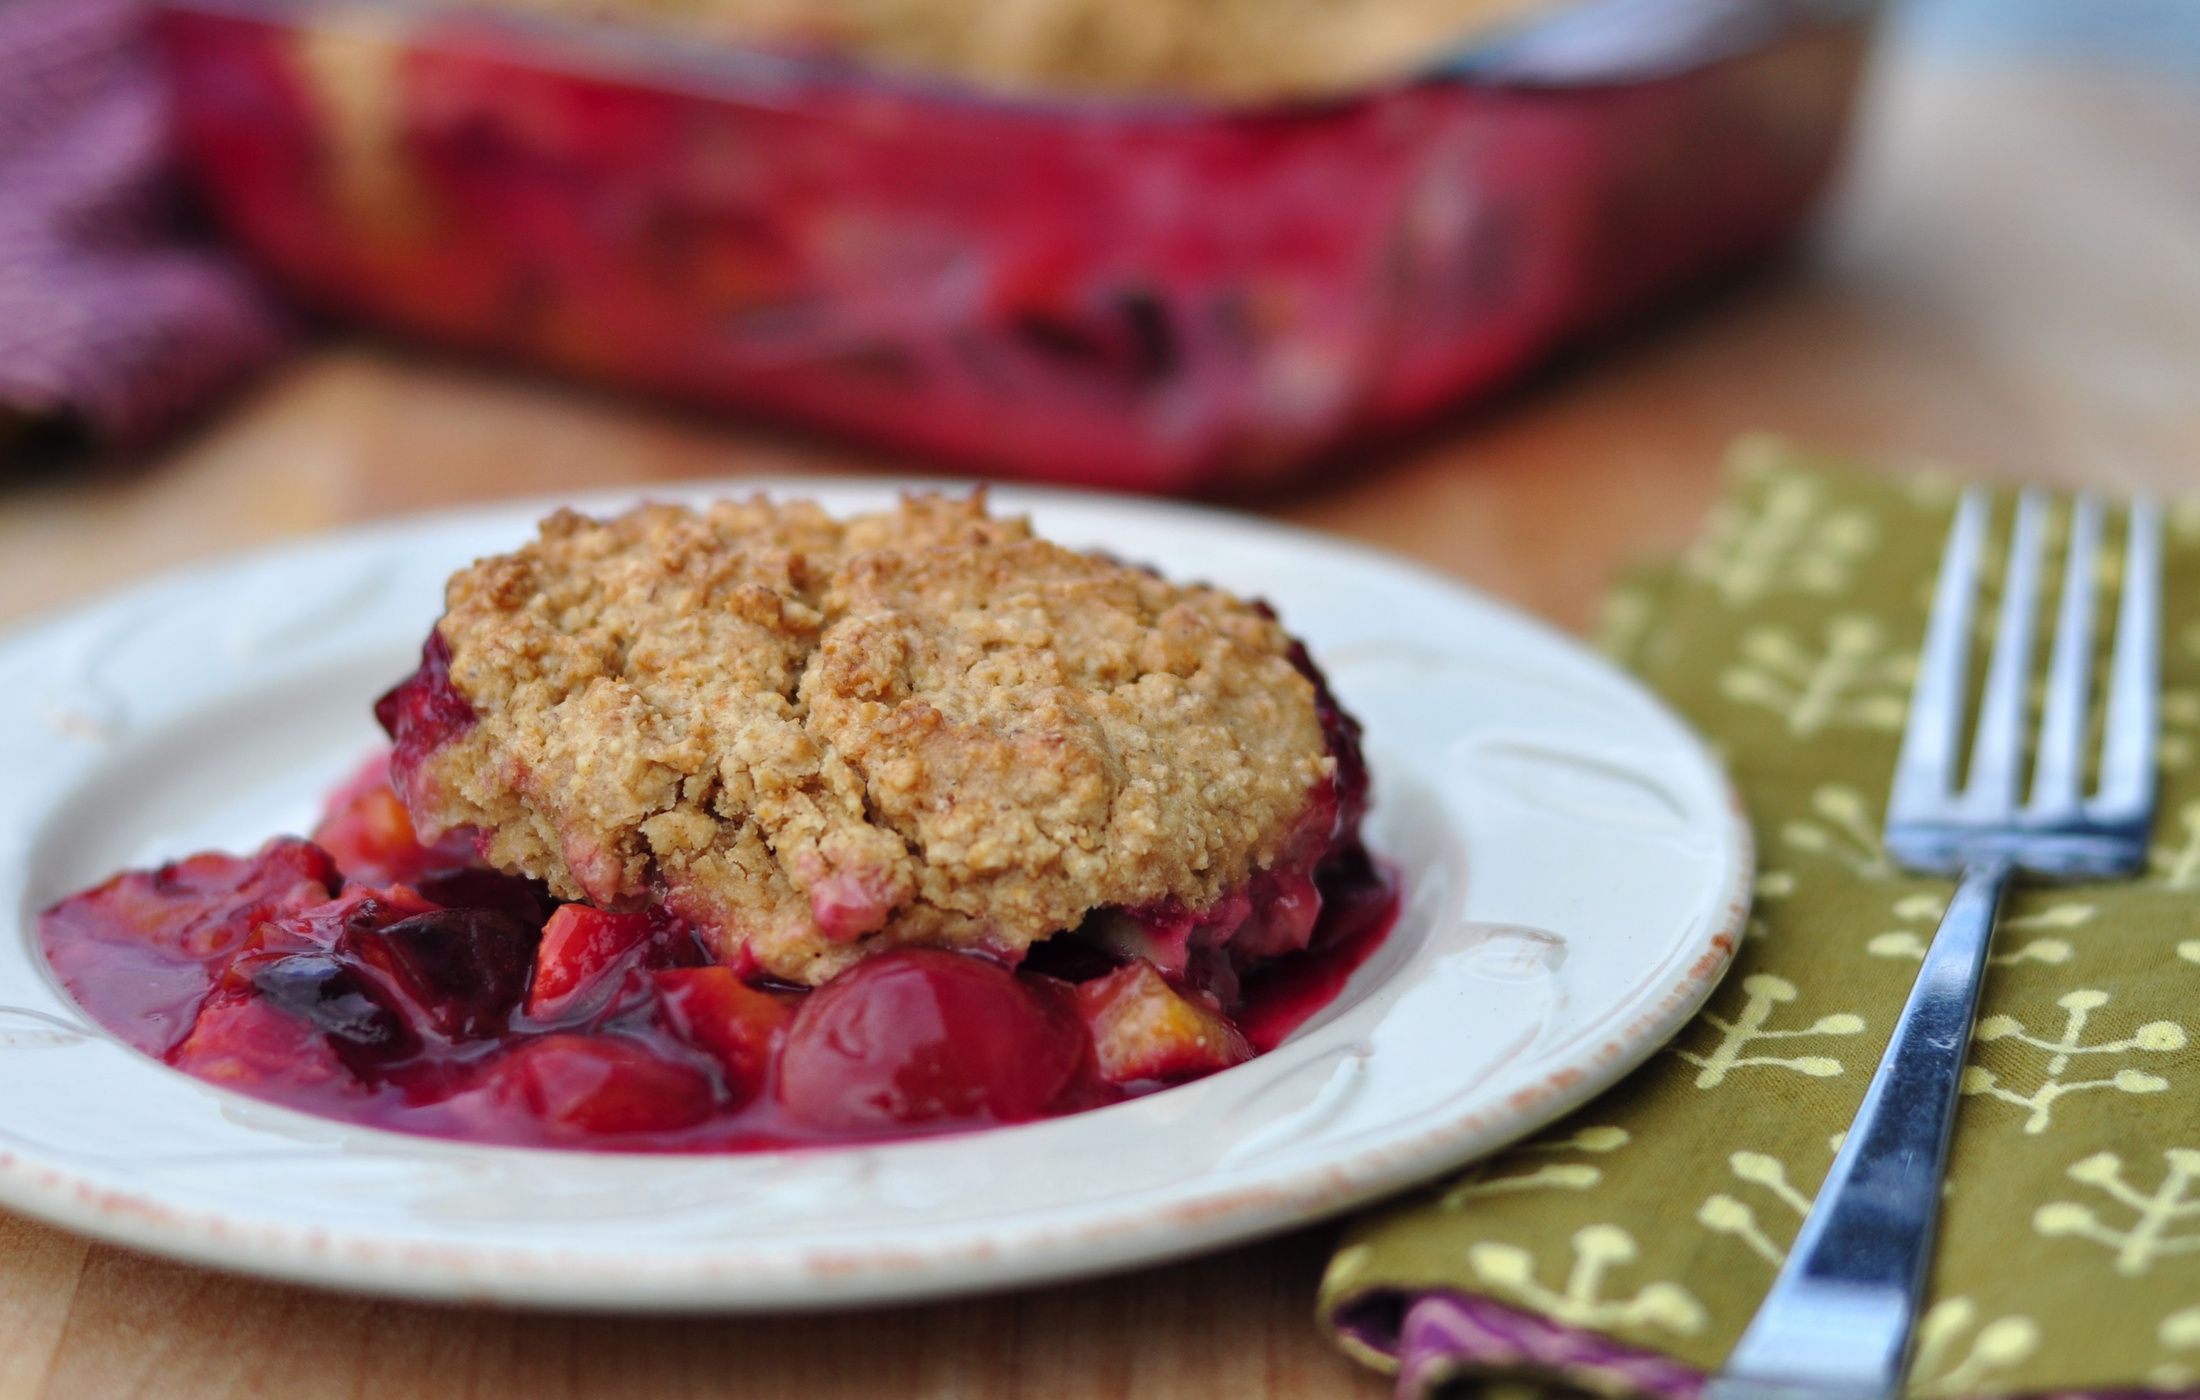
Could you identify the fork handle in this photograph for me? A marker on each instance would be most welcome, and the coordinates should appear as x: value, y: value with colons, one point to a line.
x: 1836, y: 1325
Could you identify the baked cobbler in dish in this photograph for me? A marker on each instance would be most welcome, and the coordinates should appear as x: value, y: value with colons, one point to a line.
x: 746, y: 826
x: 1230, y: 50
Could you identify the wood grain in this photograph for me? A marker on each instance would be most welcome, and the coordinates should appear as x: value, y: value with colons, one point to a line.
x: 1215, y: 1327
x: 2007, y: 284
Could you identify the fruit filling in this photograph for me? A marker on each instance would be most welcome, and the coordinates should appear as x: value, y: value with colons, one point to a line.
x: 366, y: 976
x: 745, y: 827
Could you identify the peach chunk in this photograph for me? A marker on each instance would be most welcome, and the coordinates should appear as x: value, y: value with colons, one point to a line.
x: 1144, y: 1028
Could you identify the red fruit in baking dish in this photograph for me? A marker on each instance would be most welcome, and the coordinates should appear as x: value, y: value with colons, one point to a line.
x: 925, y: 1036
x: 583, y: 956
x: 608, y: 1085
x: 147, y: 946
x: 714, y: 1010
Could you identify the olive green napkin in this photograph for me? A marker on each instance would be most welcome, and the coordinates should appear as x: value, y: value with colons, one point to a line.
x: 1623, y: 1249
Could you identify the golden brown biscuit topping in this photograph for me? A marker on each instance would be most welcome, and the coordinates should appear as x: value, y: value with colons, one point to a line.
x: 1235, y: 50
x: 819, y: 739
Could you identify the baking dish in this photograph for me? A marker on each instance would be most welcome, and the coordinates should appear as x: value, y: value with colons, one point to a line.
x: 1142, y: 294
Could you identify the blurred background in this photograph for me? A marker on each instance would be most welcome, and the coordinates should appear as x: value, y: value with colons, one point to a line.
x: 2163, y: 35
x: 1493, y: 282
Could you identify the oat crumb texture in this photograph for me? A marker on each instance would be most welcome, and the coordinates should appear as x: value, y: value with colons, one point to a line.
x: 1227, y: 50
x: 821, y: 738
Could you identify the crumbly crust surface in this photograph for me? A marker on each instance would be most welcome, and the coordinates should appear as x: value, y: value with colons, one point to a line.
x: 1231, y: 50
x: 819, y: 739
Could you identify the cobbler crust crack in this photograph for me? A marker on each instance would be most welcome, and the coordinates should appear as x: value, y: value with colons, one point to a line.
x: 817, y: 739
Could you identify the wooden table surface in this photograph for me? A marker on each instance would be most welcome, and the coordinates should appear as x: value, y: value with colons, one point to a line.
x: 2009, y: 282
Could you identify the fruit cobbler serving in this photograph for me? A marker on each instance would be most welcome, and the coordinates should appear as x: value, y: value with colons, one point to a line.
x: 748, y: 827
x: 1229, y: 50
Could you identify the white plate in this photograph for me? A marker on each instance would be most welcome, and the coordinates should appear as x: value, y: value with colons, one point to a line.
x: 1575, y: 865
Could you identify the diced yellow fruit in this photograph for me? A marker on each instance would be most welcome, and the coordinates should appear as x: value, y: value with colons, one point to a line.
x: 1143, y: 1028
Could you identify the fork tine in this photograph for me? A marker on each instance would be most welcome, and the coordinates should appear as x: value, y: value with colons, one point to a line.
x: 1842, y: 1312
x: 2060, y: 766
x: 1924, y: 774
x: 2127, y: 748
x: 1997, y: 754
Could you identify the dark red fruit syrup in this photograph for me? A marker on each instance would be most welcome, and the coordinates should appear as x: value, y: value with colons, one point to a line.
x: 364, y: 976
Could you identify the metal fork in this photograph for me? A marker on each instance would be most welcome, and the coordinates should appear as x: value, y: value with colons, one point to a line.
x: 1837, y: 1323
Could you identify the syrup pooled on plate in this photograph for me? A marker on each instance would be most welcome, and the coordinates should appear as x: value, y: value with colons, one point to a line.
x: 366, y: 977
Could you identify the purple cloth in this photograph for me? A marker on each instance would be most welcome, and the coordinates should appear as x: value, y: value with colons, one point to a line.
x: 1439, y: 1337
x: 108, y: 314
